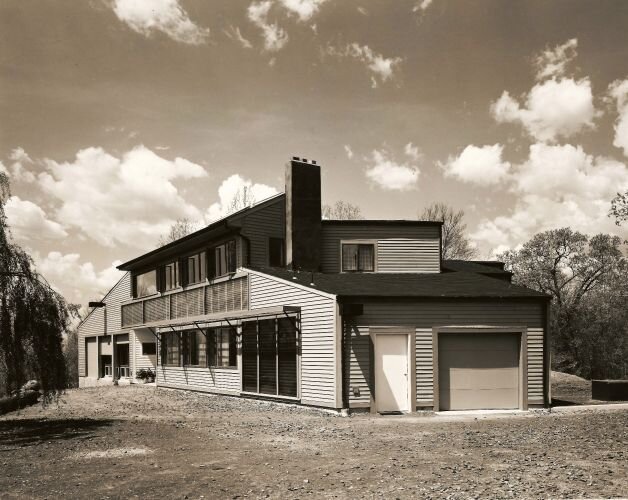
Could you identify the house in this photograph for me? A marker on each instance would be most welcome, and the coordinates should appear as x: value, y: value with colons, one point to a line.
x: 273, y: 302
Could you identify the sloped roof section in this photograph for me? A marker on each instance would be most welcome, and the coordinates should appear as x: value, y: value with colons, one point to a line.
x: 428, y: 285
x: 475, y: 266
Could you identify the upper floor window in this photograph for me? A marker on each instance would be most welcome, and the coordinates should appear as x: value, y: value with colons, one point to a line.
x: 224, y: 259
x: 171, y: 276
x: 145, y: 284
x: 276, y: 254
x: 197, y: 272
x: 358, y: 257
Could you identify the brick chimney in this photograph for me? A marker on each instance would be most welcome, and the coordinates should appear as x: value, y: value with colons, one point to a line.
x: 303, y: 214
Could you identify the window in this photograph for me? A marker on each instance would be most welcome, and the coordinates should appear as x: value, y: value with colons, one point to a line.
x: 276, y: 255
x: 224, y: 259
x: 196, y: 268
x: 171, y: 349
x: 222, y: 347
x: 171, y: 276
x: 358, y: 257
x: 149, y: 348
x: 145, y: 284
x: 195, y: 352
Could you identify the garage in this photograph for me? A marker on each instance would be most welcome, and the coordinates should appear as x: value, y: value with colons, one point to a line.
x: 478, y: 370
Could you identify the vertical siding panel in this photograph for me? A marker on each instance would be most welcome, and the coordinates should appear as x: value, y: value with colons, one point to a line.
x: 318, y: 326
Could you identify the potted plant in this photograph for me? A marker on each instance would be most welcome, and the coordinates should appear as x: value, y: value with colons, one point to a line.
x: 145, y: 375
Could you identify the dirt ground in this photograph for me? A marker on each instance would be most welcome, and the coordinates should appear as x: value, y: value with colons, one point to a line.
x: 571, y: 390
x: 124, y: 442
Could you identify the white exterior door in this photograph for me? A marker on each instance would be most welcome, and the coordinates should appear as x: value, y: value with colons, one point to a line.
x: 391, y: 373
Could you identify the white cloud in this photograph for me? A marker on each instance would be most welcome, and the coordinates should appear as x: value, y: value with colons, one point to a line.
x: 362, y: 11
x: 382, y: 68
x: 552, y: 109
x: 79, y: 282
x: 390, y: 175
x: 275, y: 37
x: 20, y: 167
x: 618, y: 90
x: 130, y: 200
x: 304, y: 9
x: 167, y: 16
x: 553, y: 62
x: 422, y: 5
x: 232, y: 188
x: 29, y: 222
x: 478, y: 165
x: 348, y: 151
x: 3, y: 169
x: 558, y: 185
x: 412, y: 151
x: 234, y: 33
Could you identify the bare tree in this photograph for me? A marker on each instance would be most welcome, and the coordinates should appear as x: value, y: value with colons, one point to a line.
x: 342, y: 210
x: 619, y: 208
x: 456, y: 244
x: 181, y: 228
x: 243, y: 198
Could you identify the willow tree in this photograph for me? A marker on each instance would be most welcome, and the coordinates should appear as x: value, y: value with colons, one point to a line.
x: 33, y: 318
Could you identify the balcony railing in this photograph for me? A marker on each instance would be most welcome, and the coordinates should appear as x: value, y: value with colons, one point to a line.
x: 231, y: 295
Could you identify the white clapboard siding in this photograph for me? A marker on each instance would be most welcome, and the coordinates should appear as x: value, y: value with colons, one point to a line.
x: 318, y: 333
x: 139, y: 360
x: 416, y: 246
x: 260, y: 224
x: 214, y: 380
x: 402, y: 255
x: 428, y: 314
x: 94, y: 323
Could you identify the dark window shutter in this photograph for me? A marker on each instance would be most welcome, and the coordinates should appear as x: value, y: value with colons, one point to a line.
x: 211, y: 263
x: 231, y: 257
x: 183, y: 272
x: 211, y: 347
x: 134, y: 286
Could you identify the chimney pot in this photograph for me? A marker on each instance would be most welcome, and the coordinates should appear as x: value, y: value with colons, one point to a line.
x: 313, y: 162
x: 296, y: 158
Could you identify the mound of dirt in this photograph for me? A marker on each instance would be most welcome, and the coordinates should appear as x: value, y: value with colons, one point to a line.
x: 570, y: 389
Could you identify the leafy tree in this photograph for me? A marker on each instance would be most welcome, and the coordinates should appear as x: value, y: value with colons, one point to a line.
x: 180, y: 228
x: 70, y: 347
x: 342, y: 210
x: 587, y: 279
x: 619, y: 208
x: 455, y: 243
x: 33, y: 317
x: 243, y: 198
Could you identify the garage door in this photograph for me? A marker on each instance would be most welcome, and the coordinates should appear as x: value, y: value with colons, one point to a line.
x: 478, y: 371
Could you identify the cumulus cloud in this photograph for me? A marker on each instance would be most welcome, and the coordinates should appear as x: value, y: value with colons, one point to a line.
x: 553, y: 62
x: 557, y: 105
x: 557, y: 185
x: 3, y: 169
x: 235, y: 192
x: 21, y: 167
x: 382, y: 68
x: 275, y: 37
x: 304, y: 9
x: 479, y: 165
x: 618, y: 91
x: 79, y: 281
x: 166, y: 16
x: 234, y: 33
x: 28, y: 222
x: 412, y: 151
x: 552, y: 109
x: 390, y: 175
x: 130, y: 200
x: 422, y: 5
x: 348, y: 151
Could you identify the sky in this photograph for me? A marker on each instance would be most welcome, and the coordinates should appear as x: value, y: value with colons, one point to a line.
x: 119, y: 117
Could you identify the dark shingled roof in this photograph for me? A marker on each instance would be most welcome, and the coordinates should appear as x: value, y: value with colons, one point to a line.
x: 427, y: 285
x: 474, y: 266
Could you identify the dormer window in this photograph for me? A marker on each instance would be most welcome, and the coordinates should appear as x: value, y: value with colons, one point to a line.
x: 358, y: 257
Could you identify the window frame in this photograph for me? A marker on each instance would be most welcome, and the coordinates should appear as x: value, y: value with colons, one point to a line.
x: 186, y: 335
x: 135, y: 291
x: 176, y: 265
x: 373, y: 243
x: 213, y: 351
x: 282, y: 262
x: 199, y: 257
x: 144, y: 353
x: 164, y: 349
x: 213, y: 267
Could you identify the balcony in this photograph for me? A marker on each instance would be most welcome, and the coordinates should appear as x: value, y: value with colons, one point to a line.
x: 224, y: 296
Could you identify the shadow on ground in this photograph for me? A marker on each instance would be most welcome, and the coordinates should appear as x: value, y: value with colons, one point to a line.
x: 28, y: 432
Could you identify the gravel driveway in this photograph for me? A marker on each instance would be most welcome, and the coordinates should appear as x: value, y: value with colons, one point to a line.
x: 112, y: 442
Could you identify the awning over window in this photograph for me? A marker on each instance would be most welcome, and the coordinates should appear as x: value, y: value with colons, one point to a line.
x: 231, y: 318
